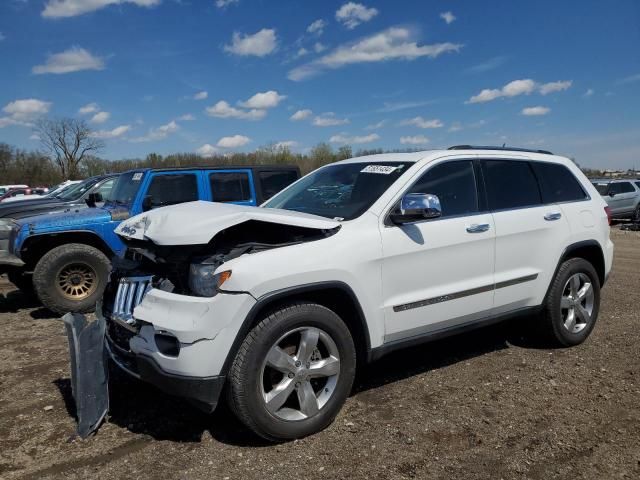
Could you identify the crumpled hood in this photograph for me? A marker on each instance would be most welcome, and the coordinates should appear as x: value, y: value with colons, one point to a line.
x: 196, y: 223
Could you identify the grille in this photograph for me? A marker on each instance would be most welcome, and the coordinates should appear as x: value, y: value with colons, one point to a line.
x: 130, y: 292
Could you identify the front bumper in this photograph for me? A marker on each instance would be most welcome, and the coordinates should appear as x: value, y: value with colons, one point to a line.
x: 203, y: 329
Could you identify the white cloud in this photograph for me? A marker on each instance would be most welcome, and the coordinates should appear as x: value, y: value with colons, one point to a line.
x: 589, y: 92
x: 397, y: 106
x: 2, y: 37
x: 74, y: 59
x: 235, y: 141
x: 201, y: 95
x: 395, y: 43
x: 89, y: 108
x: 286, y: 144
x: 301, y: 52
x: 519, y: 87
x: 34, y: 137
x: 72, y: 8
x: 488, y: 65
x: 415, y: 140
x: 223, y: 110
x: 319, y: 47
x: 355, y: 140
x: 317, y: 27
x: 207, y: 150
x: 422, y: 123
x: 629, y: 79
x: 23, y: 112
x: 455, y: 127
x: 264, y: 100
x: 187, y: 117
x: 159, y: 133
x: 116, y: 132
x: 259, y: 44
x: 448, y: 17
x: 353, y: 14
x: 555, y: 87
x: 376, y: 126
x: 226, y: 3
x: 100, y: 117
x: 535, y: 111
x: 301, y: 115
x: 329, y: 120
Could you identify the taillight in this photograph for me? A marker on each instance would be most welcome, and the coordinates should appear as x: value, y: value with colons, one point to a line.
x: 607, y: 210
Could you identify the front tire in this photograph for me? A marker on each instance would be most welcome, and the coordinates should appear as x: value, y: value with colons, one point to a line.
x: 573, y: 303
x: 293, y: 372
x: 71, y: 278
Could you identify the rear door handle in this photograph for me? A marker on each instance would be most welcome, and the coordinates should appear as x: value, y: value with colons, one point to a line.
x: 478, y: 228
x: 549, y: 217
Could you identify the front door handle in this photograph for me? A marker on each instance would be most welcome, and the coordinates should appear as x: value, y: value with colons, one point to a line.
x: 478, y: 228
x: 550, y: 217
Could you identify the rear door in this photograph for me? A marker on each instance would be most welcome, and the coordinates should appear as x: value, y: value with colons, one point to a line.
x: 530, y: 235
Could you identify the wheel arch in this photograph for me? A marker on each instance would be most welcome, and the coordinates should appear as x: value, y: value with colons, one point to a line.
x: 34, y: 247
x: 591, y: 251
x: 336, y: 296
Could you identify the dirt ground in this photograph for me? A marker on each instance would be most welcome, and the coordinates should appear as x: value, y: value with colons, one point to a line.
x: 489, y: 404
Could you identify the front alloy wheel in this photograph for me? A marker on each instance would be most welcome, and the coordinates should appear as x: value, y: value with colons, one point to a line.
x: 300, y: 373
x: 293, y: 372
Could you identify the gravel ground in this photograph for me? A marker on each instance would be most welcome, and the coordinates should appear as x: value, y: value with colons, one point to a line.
x: 490, y: 404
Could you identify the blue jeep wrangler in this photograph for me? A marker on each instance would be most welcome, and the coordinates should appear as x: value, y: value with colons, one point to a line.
x: 65, y: 257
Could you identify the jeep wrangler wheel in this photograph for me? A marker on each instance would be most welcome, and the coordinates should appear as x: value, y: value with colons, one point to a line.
x: 71, y: 278
x: 293, y: 372
x: 572, y: 305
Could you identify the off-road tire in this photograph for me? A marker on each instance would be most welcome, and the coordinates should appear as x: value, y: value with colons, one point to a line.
x: 244, y: 393
x: 553, y: 325
x: 52, y: 262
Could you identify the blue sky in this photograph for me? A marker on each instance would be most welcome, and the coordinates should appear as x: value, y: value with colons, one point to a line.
x: 225, y: 75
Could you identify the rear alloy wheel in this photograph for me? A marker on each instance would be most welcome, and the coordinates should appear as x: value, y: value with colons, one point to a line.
x: 293, y: 372
x: 573, y: 302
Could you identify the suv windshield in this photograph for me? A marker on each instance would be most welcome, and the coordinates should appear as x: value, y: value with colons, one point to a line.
x: 343, y: 191
x: 602, y: 188
x: 125, y: 189
x: 74, y: 192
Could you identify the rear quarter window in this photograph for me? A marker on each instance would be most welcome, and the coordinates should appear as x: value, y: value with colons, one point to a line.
x: 557, y: 183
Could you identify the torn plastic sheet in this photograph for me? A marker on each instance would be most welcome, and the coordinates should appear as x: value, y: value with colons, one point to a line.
x: 89, y: 371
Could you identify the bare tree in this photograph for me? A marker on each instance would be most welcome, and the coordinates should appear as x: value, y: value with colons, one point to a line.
x: 69, y: 141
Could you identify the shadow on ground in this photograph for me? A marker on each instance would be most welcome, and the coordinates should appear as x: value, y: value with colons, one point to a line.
x: 141, y: 408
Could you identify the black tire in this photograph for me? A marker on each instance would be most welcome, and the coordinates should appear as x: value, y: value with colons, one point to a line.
x: 22, y: 282
x: 636, y: 215
x: 48, y: 271
x: 245, y: 394
x: 554, y: 322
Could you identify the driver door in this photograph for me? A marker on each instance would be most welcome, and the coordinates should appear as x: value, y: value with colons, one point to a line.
x: 439, y: 273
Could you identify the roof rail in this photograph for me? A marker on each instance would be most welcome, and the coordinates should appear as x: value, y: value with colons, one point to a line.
x: 509, y: 149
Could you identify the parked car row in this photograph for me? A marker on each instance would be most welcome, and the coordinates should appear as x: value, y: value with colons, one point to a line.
x: 61, y: 247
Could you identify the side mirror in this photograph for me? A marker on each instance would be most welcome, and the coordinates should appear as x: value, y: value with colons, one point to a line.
x: 415, y: 207
x: 94, y: 198
x: 147, y: 203
x: 611, y: 194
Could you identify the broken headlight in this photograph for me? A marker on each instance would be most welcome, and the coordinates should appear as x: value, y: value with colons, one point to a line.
x: 203, y: 282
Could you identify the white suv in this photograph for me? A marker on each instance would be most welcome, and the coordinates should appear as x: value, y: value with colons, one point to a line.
x: 278, y: 304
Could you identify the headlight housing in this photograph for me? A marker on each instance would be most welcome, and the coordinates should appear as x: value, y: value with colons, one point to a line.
x: 203, y: 282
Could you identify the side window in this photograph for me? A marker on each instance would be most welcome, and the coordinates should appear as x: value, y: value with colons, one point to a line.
x: 510, y: 184
x: 105, y: 188
x: 625, y: 187
x: 455, y: 185
x: 638, y: 185
x: 557, y: 183
x: 170, y: 189
x: 230, y: 187
x: 273, y: 182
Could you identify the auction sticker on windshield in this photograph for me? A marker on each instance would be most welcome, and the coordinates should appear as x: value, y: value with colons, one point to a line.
x: 383, y: 169
x: 137, y: 177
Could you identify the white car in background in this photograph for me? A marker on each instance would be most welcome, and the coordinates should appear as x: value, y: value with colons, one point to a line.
x: 280, y: 304
x: 5, y: 188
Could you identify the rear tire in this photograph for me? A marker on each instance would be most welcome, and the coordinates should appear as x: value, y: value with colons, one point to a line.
x: 636, y: 215
x: 71, y: 278
x: 276, y: 387
x: 572, y: 304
